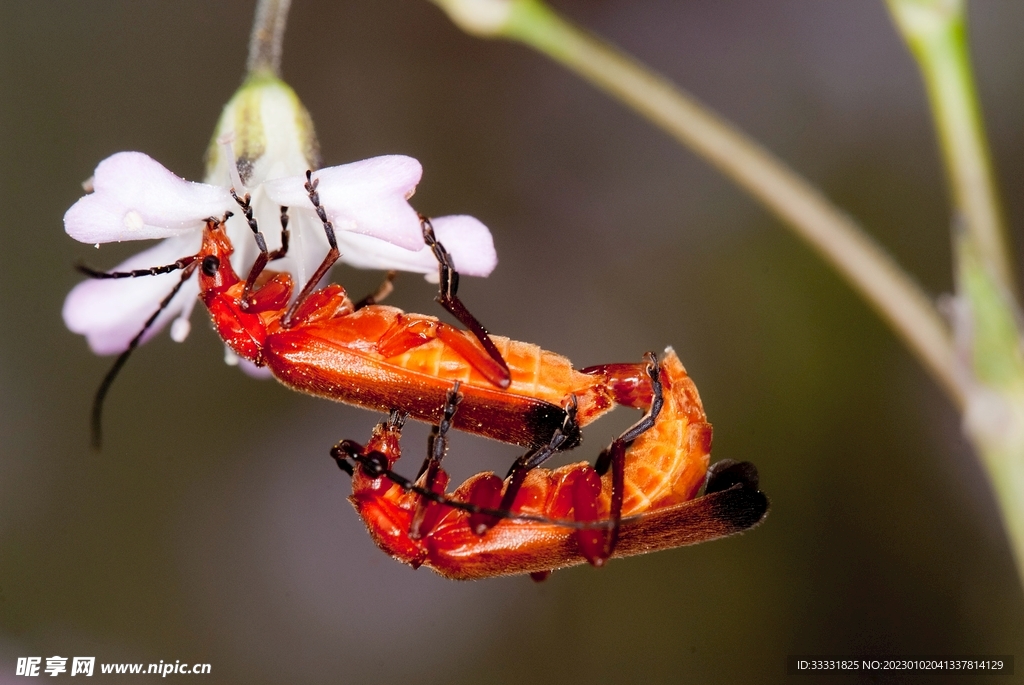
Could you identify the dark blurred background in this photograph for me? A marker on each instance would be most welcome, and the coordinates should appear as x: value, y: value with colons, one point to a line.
x: 213, y: 527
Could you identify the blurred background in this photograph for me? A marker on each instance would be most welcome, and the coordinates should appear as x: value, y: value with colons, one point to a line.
x: 213, y: 526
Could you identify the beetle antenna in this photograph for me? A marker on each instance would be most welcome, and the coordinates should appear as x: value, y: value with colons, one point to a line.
x: 375, y: 464
x: 101, y: 393
x: 182, y: 263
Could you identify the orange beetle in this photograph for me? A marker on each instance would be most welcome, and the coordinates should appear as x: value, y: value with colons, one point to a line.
x: 560, y: 517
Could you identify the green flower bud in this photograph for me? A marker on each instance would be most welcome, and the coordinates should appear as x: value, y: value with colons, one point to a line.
x: 270, y: 132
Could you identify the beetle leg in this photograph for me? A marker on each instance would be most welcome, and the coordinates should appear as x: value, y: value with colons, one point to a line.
x: 629, y: 385
x: 586, y: 492
x: 448, y: 298
x: 597, y: 545
x: 465, y: 346
x: 531, y: 460
x: 285, y: 236
x: 409, y: 332
x: 378, y: 295
x: 245, y: 204
x: 437, y: 447
x: 332, y: 255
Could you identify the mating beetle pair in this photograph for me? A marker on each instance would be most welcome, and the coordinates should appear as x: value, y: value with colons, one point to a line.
x: 639, y: 496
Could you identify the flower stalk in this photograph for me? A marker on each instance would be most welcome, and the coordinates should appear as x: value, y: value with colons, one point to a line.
x: 988, y: 330
x: 267, y: 37
x: 936, y: 33
x: 987, y: 317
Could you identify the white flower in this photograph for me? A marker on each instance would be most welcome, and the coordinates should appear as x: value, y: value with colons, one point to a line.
x: 272, y: 145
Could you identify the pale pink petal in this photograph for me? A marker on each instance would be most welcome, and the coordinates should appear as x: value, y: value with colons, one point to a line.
x: 382, y: 175
x: 468, y: 241
x: 136, y: 198
x: 109, y: 313
x: 369, y: 197
x: 367, y: 252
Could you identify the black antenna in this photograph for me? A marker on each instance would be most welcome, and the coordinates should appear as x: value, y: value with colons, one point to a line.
x: 375, y: 465
x: 187, y: 265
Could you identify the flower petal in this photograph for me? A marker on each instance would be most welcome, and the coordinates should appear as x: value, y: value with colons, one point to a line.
x: 109, y: 313
x: 259, y: 372
x: 369, y: 197
x: 468, y: 241
x: 136, y: 198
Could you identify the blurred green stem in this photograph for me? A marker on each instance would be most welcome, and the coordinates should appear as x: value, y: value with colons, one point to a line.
x: 992, y: 369
x: 836, y: 236
x: 935, y: 31
x: 267, y: 37
x: 987, y: 320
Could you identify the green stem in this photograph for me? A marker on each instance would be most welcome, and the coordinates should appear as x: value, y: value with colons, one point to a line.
x: 936, y: 33
x: 267, y: 37
x: 988, y: 331
x: 987, y: 325
x: 830, y: 231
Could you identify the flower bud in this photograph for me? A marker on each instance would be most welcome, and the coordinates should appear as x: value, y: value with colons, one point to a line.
x: 270, y: 133
x: 479, y: 17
